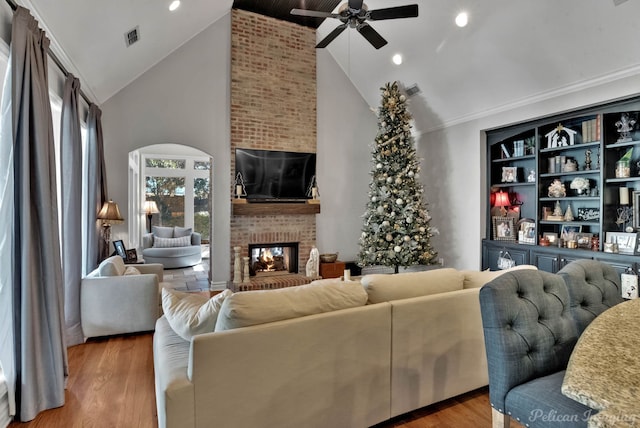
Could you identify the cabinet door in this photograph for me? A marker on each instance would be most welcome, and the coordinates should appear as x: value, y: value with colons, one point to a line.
x: 491, y: 253
x: 620, y: 264
x: 566, y: 259
x: 547, y: 262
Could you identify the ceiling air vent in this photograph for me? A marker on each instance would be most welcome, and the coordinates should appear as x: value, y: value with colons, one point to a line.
x: 412, y: 90
x: 132, y: 36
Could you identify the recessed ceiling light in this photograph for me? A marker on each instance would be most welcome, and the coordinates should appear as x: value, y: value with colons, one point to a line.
x: 397, y: 59
x: 174, y: 5
x: 462, y: 19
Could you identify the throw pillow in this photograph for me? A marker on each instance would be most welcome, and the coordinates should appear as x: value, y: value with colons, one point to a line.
x: 263, y: 306
x: 130, y: 270
x: 475, y: 279
x: 386, y: 287
x: 162, y: 232
x: 190, y: 314
x: 184, y: 241
x: 179, y: 232
x: 112, y: 266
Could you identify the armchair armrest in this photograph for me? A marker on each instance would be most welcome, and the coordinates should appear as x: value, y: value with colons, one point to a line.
x: 196, y: 238
x: 147, y: 240
x: 154, y: 268
x: 119, y: 304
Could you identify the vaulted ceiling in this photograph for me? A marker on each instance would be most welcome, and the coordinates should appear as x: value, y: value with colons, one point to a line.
x: 511, y: 52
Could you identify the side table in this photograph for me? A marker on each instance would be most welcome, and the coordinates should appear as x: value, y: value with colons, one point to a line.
x: 332, y: 270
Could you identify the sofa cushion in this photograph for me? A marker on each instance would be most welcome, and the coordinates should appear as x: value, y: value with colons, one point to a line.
x: 112, y: 266
x: 476, y: 279
x: 130, y: 270
x: 179, y: 232
x: 183, y: 241
x: 387, y: 287
x: 162, y: 231
x: 191, y: 313
x: 263, y: 306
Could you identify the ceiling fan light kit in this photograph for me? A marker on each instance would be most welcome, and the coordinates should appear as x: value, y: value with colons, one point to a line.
x: 355, y: 14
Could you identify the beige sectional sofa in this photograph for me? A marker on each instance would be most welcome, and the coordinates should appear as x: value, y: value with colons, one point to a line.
x: 330, y: 353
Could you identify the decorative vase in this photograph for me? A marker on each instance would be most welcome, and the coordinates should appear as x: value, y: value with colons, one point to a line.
x: 581, y: 192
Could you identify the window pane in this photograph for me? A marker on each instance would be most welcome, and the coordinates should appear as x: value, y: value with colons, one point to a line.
x: 166, y: 163
x: 168, y: 192
x: 201, y: 207
x: 202, y: 165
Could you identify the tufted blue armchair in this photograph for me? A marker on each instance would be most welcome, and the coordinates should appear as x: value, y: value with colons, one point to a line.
x: 529, y: 334
x: 593, y: 287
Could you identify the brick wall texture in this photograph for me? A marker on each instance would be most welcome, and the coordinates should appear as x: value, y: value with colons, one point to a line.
x: 273, y: 107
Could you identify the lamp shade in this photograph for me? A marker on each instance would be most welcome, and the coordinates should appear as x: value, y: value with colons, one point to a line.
x: 502, y: 199
x: 150, y: 207
x: 110, y: 213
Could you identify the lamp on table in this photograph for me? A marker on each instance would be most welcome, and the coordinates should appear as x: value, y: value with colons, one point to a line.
x: 109, y: 214
x: 151, y: 208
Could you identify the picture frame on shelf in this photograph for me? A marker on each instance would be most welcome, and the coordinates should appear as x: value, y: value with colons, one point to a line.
x: 588, y: 214
x: 627, y: 242
x: 635, y: 199
x: 551, y: 236
x: 569, y: 231
x: 509, y: 174
x: 503, y: 228
x: 120, y: 250
x: 527, y: 233
x: 584, y: 240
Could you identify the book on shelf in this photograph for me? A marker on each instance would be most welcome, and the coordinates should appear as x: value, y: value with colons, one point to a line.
x: 505, y: 152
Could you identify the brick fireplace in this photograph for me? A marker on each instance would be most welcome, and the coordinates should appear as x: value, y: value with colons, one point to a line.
x: 273, y: 107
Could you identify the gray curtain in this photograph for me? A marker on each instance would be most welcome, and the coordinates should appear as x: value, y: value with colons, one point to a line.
x: 96, y: 190
x: 71, y: 191
x: 38, y: 297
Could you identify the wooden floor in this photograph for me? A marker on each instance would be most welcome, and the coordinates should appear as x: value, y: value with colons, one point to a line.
x: 111, y: 385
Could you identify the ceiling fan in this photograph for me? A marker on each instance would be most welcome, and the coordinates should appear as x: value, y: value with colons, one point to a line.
x: 355, y: 14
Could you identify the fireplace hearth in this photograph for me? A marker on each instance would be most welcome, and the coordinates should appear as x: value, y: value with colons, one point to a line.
x: 273, y: 258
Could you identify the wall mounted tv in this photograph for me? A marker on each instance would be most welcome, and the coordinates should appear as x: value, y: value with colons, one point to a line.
x: 275, y: 176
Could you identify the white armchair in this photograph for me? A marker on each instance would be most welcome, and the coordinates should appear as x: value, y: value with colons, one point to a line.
x: 116, y: 299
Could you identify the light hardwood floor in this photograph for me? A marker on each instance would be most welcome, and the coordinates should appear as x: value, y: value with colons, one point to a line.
x: 111, y: 385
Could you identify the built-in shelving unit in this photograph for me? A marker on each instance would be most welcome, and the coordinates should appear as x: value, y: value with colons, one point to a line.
x: 524, y: 160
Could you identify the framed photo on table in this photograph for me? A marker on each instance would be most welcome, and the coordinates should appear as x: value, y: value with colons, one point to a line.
x: 132, y: 256
x: 120, y: 250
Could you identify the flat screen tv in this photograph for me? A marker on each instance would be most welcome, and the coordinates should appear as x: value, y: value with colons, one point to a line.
x: 271, y: 175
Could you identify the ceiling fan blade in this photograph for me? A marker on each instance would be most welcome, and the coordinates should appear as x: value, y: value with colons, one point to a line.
x: 332, y: 35
x: 355, y: 4
x: 408, y: 11
x: 313, y: 13
x: 371, y: 35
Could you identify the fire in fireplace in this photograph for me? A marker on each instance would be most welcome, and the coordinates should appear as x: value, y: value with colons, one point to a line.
x: 280, y: 258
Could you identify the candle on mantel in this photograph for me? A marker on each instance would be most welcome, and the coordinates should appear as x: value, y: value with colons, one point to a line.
x: 239, y: 190
x: 624, y: 196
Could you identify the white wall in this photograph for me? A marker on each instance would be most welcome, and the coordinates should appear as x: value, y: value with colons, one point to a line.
x: 454, y: 170
x: 346, y: 130
x: 184, y: 99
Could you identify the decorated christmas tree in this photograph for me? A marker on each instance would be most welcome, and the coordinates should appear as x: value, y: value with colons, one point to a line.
x: 396, y: 229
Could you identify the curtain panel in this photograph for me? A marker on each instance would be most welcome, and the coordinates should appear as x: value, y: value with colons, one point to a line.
x: 95, y: 191
x: 71, y: 189
x: 38, y: 295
